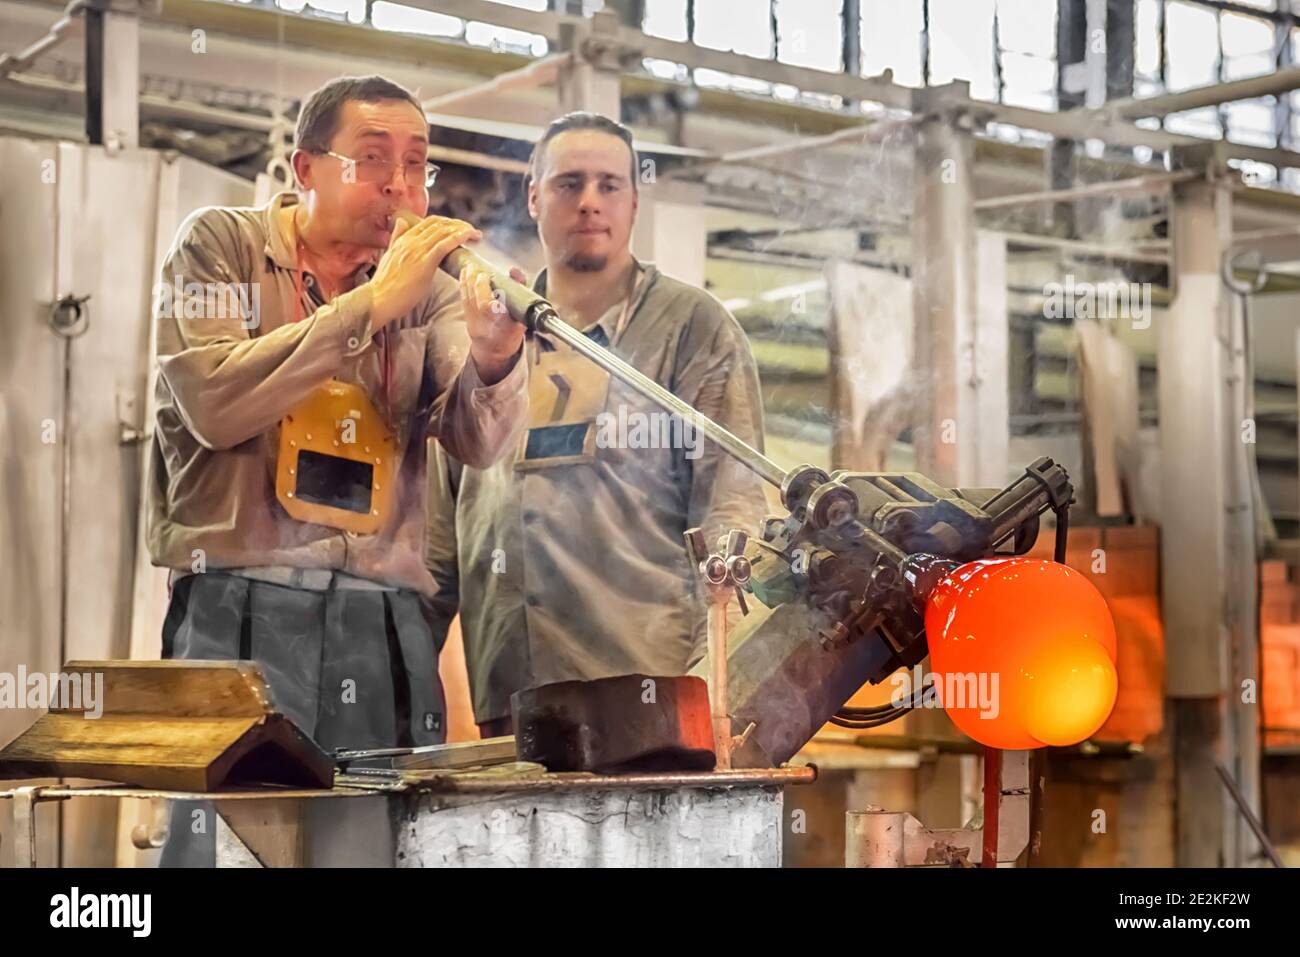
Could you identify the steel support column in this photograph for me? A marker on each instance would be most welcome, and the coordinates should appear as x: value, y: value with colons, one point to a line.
x: 591, y: 81
x: 944, y: 305
x: 943, y: 276
x: 1208, y: 546
x: 113, y: 73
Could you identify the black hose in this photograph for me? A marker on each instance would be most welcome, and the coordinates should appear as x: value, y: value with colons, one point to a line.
x: 882, y: 709
x: 1062, y: 531
x: 862, y: 725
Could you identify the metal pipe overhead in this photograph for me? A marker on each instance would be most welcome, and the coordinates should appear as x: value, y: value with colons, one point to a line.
x: 1084, y: 248
x: 13, y: 62
x: 868, y: 133
x: 1270, y: 84
x: 1074, y: 125
x: 154, y: 105
x: 1120, y: 187
x: 542, y: 72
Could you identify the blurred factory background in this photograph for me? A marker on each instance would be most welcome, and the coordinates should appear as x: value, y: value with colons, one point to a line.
x: 1106, y: 270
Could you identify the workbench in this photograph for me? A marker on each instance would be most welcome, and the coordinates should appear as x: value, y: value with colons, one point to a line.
x: 512, y: 815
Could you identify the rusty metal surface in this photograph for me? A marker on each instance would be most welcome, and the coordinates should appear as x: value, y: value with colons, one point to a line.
x: 111, y: 791
x: 473, y: 782
x: 461, y: 782
x: 624, y: 723
x: 879, y: 838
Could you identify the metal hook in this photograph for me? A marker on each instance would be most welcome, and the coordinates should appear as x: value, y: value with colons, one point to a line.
x: 1231, y: 261
x: 68, y: 317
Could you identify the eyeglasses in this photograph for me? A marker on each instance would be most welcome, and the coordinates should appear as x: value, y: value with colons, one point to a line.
x: 380, y: 171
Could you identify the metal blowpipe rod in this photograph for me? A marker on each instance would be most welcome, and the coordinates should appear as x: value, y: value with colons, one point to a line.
x: 549, y: 322
x: 533, y: 311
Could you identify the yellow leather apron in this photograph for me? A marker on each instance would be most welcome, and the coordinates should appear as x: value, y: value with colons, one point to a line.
x: 338, y: 460
x: 566, y: 393
x: 338, y: 457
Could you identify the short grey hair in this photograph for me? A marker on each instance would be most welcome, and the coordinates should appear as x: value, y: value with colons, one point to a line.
x: 318, y: 120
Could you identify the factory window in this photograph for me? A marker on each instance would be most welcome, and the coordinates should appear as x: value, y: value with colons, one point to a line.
x: 717, y: 80
x: 1147, y: 17
x: 400, y: 18
x: 1202, y: 43
x: 822, y: 101
x: 1191, y: 46
x: 504, y: 38
x: 810, y: 33
x: 666, y: 19
x: 1027, y: 26
x: 1005, y: 49
x: 1028, y: 81
x: 1182, y: 44
x: 1027, y: 31
x: 1203, y: 122
x: 741, y: 26
x: 667, y: 70
x: 1143, y: 88
x: 353, y: 11
x: 892, y: 40
x: 1251, y: 121
x: 963, y: 48
x: 1247, y: 46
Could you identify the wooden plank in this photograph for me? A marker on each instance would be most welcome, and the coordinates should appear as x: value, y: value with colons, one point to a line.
x: 191, y: 689
x: 170, y: 724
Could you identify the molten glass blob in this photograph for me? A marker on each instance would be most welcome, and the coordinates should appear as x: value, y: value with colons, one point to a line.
x: 1023, y: 652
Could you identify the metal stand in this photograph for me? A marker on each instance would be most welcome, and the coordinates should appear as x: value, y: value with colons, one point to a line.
x: 878, y: 838
x: 724, y: 576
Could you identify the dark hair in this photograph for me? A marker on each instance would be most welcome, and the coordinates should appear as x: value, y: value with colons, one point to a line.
x: 583, y: 121
x: 318, y: 120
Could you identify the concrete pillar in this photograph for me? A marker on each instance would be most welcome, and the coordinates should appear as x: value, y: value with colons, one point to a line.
x: 1208, y: 549
x: 670, y: 229
x: 952, y: 422
x: 591, y: 82
x: 943, y: 278
x: 983, y: 392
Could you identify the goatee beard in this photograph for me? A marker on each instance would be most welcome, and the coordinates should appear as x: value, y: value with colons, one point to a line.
x: 582, y: 262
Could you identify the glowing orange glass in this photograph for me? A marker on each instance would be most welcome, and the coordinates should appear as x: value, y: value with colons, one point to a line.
x: 1023, y: 652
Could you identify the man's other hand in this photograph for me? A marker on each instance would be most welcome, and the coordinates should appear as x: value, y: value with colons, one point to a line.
x: 495, y: 338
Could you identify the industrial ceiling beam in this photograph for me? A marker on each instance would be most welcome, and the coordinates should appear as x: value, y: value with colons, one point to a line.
x: 1137, y: 186
x: 1088, y: 124
x: 311, y: 32
x: 540, y: 73
x: 1132, y: 108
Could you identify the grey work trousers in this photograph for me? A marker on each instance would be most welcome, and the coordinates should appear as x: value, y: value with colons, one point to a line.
x: 353, y: 668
